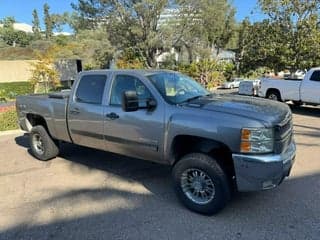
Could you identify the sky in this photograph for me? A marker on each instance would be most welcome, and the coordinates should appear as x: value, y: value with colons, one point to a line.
x: 21, y: 10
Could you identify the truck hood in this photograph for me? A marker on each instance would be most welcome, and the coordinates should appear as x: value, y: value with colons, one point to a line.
x: 263, y: 110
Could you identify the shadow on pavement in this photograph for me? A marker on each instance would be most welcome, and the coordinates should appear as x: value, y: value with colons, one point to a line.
x: 305, y: 110
x: 127, y: 168
x: 23, y: 140
x: 265, y: 215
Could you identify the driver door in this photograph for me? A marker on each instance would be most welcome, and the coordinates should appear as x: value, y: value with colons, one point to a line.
x: 140, y: 133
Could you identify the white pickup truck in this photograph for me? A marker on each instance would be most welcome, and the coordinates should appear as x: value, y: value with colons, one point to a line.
x: 298, y: 91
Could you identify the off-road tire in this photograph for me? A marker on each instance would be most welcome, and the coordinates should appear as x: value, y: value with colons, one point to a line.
x: 50, y: 148
x: 213, y: 170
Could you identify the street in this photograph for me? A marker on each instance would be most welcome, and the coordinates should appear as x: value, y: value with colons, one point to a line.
x: 90, y: 194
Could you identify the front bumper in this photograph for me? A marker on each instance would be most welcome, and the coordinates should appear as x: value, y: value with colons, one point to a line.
x: 260, y: 172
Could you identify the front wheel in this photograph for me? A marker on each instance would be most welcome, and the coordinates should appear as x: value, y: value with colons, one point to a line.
x: 42, y: 145
x: 201, y: 184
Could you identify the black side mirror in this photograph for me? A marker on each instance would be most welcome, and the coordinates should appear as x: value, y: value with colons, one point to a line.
x: 130, y: 101
x: 151, y: 104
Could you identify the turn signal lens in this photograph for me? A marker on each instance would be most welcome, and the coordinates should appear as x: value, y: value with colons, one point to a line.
x: 245, y: 147
x: 245, y: 134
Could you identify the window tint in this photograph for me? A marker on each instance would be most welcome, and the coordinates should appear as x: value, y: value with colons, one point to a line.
x: 124, y: 83
x: 91, y: 88
x: 315, y: 76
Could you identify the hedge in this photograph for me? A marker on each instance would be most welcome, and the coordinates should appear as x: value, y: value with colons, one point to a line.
x: 10, y: 90
x: 8, y: 120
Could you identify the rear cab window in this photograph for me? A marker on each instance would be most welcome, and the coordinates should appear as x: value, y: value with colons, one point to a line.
x: 91, y: 88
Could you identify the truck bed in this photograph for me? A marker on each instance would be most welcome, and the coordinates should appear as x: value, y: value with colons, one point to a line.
x: 289, y: 88
x: 52, y: 107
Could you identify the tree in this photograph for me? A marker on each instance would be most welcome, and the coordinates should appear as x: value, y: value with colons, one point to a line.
x: 217, y: 22
x: 295, y: 25
x: 58, y: 20
x: 47, y: 21
x: 43, y: 71
x: 94, y: 47
x: 11, y: 36
x: 36, y: 25
x: 202, y: 27
x: 8, y: 22
x: 89, y: 13
x: 130, y: 24
x: 259, y: 45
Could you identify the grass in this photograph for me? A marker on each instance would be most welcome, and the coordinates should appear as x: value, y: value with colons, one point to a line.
x: 8, y: 120
x: 9, y: 90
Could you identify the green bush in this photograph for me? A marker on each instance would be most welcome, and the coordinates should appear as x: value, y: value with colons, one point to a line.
x: 209, y: 73
x: 10, y: 90
x: 8, y: 120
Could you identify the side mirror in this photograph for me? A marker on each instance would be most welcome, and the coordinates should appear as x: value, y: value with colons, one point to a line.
x: 130, y: 101
x: 151, y: 104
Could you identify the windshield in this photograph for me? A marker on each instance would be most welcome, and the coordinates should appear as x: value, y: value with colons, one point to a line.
x: 177, y: 88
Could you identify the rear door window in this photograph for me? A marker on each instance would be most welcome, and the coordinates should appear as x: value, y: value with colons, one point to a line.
x: 91, y: 89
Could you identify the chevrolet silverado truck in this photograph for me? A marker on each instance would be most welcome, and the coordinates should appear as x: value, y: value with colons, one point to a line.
x: 299, y: 91
x: 215, y: 143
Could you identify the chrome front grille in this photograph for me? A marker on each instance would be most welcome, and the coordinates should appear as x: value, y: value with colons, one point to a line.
x: 282, y: 131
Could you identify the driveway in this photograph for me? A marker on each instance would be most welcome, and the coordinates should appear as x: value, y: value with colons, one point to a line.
x: 89, y: 194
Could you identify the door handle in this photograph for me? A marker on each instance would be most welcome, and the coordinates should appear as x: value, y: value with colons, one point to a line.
x: 112, y: 116
x: 74, y: 111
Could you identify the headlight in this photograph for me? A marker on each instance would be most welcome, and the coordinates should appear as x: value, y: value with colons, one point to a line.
x: 257, y: 140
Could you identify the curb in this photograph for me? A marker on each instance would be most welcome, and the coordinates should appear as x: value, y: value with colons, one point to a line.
x: 10, y: 132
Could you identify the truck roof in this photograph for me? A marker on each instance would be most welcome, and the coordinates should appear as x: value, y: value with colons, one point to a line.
x: 144, y: 72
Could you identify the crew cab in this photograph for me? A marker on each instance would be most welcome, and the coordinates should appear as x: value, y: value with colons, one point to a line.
x: 214, y: 143
x: 306, y: 90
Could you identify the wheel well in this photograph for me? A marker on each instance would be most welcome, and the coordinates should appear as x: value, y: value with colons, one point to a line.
x: 185, y: 144
x: 35, y: 120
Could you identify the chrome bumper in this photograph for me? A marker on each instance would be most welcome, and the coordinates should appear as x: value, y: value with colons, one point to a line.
x: 260, y: 172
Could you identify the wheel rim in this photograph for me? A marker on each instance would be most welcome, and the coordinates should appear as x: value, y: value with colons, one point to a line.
x: 272, y: 96
x: 197, y: 186
x: 38, y: 143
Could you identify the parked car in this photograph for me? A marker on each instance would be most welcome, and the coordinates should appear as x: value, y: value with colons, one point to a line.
x: 299, y: 74
x: 296, y: 90
x: 249, y: 87
x: 234, y: 83
x: 215, y: 144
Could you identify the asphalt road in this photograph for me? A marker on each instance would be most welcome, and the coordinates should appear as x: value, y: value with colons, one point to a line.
x: 89, y: 194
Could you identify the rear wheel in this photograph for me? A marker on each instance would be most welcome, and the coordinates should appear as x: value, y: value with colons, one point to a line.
x: 43, y: 147
x: 201, y: 184
x: 274, y: 95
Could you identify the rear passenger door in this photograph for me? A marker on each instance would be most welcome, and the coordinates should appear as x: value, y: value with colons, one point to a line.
x: 310, y: 88
x: 86, y: 111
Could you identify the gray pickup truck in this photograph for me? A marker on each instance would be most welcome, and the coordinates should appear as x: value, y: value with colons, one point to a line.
x: 215, y: 143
